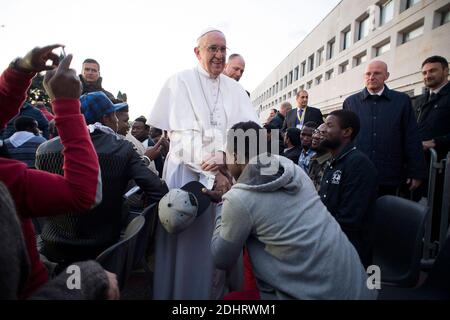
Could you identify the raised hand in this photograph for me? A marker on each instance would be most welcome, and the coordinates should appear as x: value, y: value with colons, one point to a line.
x: 63, y: 82
x: 155, y: 151
x: 36, y: 59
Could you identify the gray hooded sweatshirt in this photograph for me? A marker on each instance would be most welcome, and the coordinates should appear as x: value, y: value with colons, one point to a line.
x: 297, y: 249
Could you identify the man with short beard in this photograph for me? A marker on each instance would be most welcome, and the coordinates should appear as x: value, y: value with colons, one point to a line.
x: 433, y: 108
x: 349, y: 183
x: 319, y: 161
x: 433, y: 117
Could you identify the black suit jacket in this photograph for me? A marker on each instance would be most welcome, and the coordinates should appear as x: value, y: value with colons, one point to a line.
x: 312, y: 114
x: 433, y: 117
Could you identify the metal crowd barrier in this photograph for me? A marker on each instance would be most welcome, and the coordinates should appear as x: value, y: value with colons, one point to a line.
x: 431, y: 248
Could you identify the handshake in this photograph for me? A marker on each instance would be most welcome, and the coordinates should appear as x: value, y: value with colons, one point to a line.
x: 60, y: 81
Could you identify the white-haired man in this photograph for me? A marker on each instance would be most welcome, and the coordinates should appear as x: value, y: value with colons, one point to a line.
x: 196, y: 107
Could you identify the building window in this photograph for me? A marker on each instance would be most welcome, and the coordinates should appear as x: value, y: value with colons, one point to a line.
x: 285, y: 84
x: 276, y: 87
x: 360, y: 59
x: 319, y: 80
x: 386, y: 12
x: 411, y: 33
x: 291, y: 75
x: 301, y: 88
x: 311, y: 63
x: 320, y: 56
x: 309, y: 85
x: 346, y: 37
x: 410, y: 3
x: 281, y: 84
x: 343, y: 67
x: 289, y: 95
x: 445, y: 17
x: 329, y: 74
x: 382, y: 47
x: 442, y: 16
x: 330, y: 48
x: 363, y: 28
x: 303, y: 69
x: 296, y: 73
x: 294, y: 93
x: 284, y: 98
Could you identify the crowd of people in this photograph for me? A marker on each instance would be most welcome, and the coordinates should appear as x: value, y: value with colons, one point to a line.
x: 292, y: 198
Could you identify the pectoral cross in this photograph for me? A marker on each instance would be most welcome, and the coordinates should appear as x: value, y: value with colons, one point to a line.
x: 212, y: 121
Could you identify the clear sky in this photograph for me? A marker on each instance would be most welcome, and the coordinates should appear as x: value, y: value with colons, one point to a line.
x: 139, y: 44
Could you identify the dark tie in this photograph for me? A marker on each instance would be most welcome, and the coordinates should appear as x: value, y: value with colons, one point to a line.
x: 432, y: 96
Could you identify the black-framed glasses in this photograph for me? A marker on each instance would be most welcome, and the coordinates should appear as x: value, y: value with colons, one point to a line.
x: 215, y: 49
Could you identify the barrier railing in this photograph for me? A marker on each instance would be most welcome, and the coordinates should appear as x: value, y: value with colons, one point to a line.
x: 431, y: 247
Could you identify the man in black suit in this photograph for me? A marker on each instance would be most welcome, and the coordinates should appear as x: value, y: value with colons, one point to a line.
x: 296, y: 118
x: 433, y: 117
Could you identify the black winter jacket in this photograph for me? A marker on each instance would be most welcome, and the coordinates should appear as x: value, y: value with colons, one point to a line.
x: 433, y: 117
x: 389, y: 135
x: 82, y: 236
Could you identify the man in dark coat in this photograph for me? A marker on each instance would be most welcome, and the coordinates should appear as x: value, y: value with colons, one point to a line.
x: 349, y: 183
x: 433, y: 117
x: 296, y: 118
x: 433, y: 108
x: 91, y: 80
x: 389, y: 135
x: 28, y: 110
x: 293, y: 145
x: 278, y: 121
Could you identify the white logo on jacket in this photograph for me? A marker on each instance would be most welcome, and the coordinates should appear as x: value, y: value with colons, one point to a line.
x: 336, y: 177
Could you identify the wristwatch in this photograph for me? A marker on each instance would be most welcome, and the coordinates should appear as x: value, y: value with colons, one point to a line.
x: 147, y: 160
x: 15, y: 65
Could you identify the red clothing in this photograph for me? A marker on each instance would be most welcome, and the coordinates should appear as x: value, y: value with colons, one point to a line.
x: 37, y: 193
x: 250, y: 289
x: 49, y: 116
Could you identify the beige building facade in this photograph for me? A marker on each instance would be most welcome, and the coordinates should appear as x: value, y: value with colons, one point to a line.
x: 329, y: 63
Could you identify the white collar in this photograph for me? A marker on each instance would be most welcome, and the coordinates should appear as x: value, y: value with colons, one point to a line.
x: 379, y: 93
x: 436, y: 91
x: 20, y: 137
x: 205, y: 73
x: 102, y: 128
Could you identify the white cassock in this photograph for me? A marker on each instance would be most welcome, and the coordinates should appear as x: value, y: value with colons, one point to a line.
x: 196, y: 110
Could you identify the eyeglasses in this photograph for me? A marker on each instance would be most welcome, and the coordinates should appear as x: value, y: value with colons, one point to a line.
x: 215, y: 49
x: 318, y: 132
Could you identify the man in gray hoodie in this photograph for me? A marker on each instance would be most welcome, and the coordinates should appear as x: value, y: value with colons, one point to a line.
x: 297, y: 249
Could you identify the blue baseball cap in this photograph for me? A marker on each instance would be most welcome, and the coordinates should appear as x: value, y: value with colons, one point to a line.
x: 95, y: 105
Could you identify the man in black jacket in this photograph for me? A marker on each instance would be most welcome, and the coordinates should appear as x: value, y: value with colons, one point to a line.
x: 293, y: 145
x: 389, y: 135
x: 433, y: 117
x: 75, y: 237
x: 296, y: 118
x: 278, y: 121
x: 91, y: 80
x: 349, y: 183
x: 433, y: 108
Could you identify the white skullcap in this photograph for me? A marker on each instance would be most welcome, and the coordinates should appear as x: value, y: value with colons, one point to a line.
x: 208, y: 30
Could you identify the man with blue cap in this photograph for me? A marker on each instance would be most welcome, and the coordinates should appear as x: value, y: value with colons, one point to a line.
x: 75, y: 237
